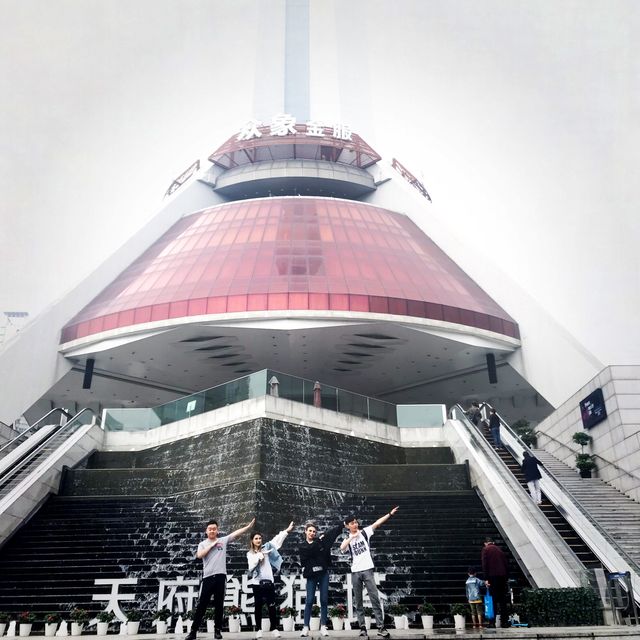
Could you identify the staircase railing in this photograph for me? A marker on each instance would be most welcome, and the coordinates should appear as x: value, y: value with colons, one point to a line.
x: 43, y: 421
x: 13, y: 476
x: 601, y: 543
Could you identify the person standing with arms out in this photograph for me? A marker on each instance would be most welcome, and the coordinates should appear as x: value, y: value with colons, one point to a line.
x: 213, y: 553
x: 357, y: 543
x: 496, y: 569
x: 315, y: 558
x: 532, y: 475
x: 494, y: 425
x: 264, y: 560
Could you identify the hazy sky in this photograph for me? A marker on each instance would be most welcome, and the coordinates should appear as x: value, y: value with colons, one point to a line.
x: 521, y: 117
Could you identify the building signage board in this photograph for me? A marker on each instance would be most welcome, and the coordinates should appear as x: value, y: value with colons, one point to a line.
x: 592, y: 409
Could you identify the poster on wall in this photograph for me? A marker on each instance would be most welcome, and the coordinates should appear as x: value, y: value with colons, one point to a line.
x: 592, y: 409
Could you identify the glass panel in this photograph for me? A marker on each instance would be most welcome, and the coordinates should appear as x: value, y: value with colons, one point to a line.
x: 421, y: 415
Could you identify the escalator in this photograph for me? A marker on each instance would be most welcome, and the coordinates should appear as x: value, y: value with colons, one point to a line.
x: 557, y: 520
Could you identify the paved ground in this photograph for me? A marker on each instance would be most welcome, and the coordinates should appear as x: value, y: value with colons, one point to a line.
x: 537, y: 633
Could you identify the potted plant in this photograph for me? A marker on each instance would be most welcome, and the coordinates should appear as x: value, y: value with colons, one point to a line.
x: 104, y: 618
x: 314, y: 623
x: 188, y: 619
x: 26, y: 620
x: 79, y: 617
x: 133, y: 621
x: 368, y: 615
x: 427, y: 611
x: 337, y: 614
x: 233, y: 614
x: 288, y: 616
x: 161, y: 618
x: 210, y: 616
x: 585, y: 464
x: 266, y: 622
x: 398, y: 612
x: 459, y: 612
x: 4, y: 620
x: 51, y: 622
x: 582, y: 438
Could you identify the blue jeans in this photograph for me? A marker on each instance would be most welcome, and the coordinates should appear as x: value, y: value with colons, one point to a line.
x: 320, y: 580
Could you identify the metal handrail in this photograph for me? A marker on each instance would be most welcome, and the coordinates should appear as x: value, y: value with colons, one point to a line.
x: 558, y: 485
x: 37, y: 423
x: 595, y: 455
x: 20, y: 464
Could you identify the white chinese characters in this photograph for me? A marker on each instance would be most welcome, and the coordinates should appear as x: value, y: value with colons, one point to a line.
x: 284, y: 124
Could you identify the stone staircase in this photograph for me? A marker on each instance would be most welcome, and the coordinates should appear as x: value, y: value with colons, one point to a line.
x: 141, y: 514
x: 614, y: 512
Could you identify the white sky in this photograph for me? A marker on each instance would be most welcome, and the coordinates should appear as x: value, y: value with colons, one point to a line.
x: 521, y: 116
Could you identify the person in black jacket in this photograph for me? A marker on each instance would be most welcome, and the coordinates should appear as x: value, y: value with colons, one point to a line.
x: 532, y: 475
x: 315, y: 558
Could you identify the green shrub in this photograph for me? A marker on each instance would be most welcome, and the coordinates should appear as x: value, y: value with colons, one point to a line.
x: 561, y: 607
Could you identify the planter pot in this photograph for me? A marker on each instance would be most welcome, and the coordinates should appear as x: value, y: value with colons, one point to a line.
x: 211, y: 626
x: 187, y: 625
x: 161, y: 627
x: 25, y: 629
x: 337, y: 624
x: 288, y: 624
x: 314, y: 624
x: 50, y: 629
x: 266, y: 625
x: 3, y: 626
x: 585, y: 473
x: 367, y: 622
x: 234, y: 625
x: 102, y: 628
x: 398, y: 622
x: 132, y: 627
x: 427, y: 622
x: 76, y: 628
x: 459, y: 621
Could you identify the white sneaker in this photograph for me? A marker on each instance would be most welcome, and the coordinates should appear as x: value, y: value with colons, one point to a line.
x: 258, y: 634
x: 305, y: 632
x: 323, y: 630
x: 276, y: 633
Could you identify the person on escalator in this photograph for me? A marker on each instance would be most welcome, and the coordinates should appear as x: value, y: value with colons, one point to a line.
x: 532, y: 475
x: 494, y: 425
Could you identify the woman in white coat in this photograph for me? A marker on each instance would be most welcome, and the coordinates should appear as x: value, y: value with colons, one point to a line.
x: 264, y: 560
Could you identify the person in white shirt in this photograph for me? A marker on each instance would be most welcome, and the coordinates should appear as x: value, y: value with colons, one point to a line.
x: 357, y: 543
x: 213, y: 553
x: 264, y: 560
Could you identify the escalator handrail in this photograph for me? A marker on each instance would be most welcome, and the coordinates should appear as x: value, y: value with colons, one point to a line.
x: 37, y: 423
x: 585, y: 514
x: 23, y: 461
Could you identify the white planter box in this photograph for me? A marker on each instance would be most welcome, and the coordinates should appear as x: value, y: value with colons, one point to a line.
x: 337, y: 624
x: 314, y: 624
x: 76, y: 628
x: 234, y: 624
x: 398, y: 622
x: 427, y: 622
x: 211, y: 626
x: 132, y: 627
x: 161, y: 627
x: 288, y: 624
x: 367, y: 622
x: 25, y: 629
x: 50, y: 629
x: 459, y: 622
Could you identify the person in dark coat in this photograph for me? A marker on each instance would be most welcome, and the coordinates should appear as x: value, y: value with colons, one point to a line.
x: 496, y: 570
x: 532, y: 476
x: 494, y: 425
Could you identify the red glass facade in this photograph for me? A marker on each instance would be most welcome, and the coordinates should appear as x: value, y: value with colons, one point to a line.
x: 291, y: 254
